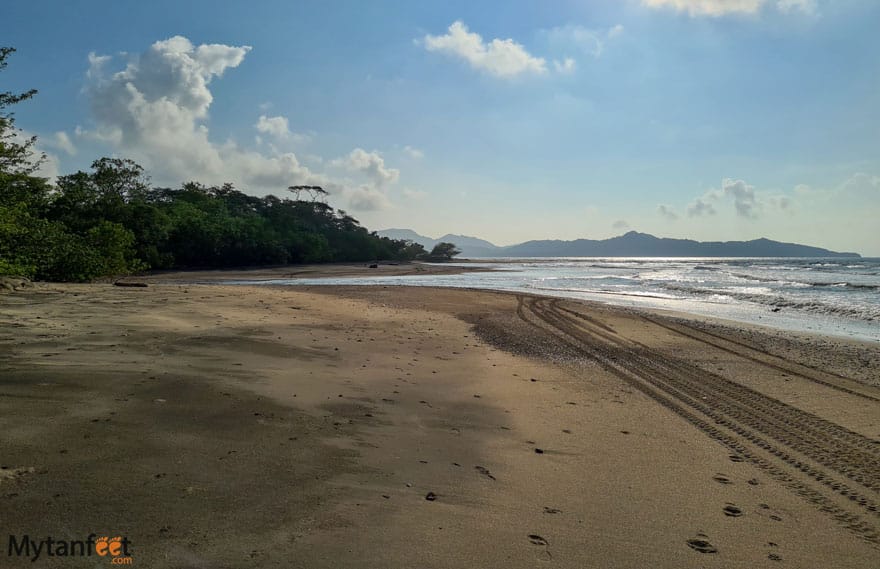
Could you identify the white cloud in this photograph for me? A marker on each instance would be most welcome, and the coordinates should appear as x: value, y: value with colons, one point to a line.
x: 156, y: 109
x: 620, y: 224
x: 49, y: 166
x: 501, y: 58
x: 667, y: 212
x: 413, y: 152
x: 61, y: 141
x: 747, y: 201
x: 708, y: 7
x: 277, y: 127
x: 701, y: 206
x: 96, y: 64
x: 744, y: 199
x: 367, y: 198
x: 586, y: 40
x: 370, y: 164
x: 716, y: 8
x: 565, y: 66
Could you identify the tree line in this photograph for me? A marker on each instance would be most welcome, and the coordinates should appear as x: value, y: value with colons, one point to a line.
x: 110, y: 220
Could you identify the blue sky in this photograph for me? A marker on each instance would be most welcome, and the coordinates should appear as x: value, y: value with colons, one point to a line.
x: 707, y: 119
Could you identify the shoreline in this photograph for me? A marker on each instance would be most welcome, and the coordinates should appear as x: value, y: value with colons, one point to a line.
x: 323, y: 270
x: 799, y: 323
x: 250, y: 426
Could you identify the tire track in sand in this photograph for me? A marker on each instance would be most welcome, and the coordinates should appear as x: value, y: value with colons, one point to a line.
x: 798, y: 449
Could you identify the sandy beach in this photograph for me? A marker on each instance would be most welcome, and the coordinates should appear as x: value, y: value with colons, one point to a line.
x: 256, y: 426
x: 329, y: 270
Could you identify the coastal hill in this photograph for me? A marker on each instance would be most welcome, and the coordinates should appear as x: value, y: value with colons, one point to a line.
x: 631, y: 244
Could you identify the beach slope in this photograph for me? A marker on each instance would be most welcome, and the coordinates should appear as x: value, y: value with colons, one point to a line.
x: 223, y: 426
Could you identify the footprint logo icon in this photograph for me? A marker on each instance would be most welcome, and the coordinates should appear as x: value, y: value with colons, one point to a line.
x: 102, y: 546
x: 107, y: 545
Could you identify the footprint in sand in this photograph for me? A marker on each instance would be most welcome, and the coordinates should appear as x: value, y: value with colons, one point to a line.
x: 701, y: 545
x: 484, y: 471
x: 736, y: 458
x: 537, y: 539
x: 722, y: 479
x: 548, y: 510
x: 732, y: 511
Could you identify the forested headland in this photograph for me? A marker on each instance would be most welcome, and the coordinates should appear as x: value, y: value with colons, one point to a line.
x: 111, y: 221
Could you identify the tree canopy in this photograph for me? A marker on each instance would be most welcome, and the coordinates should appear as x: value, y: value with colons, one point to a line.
x: 111, y: 221
x: 443, y: 251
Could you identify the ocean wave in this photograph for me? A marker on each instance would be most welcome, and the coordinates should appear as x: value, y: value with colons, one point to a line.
x: 636, y: 293
x: 869, y: 313
x: 804, y: 283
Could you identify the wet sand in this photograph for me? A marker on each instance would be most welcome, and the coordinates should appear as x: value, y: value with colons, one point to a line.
x: 329, y: 270
x: 221, y: 426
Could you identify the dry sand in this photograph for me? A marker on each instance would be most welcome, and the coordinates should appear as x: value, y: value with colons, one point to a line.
x: 219, y: 426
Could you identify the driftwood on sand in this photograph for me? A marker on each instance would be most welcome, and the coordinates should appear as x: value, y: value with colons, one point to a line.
x: 130, y: 284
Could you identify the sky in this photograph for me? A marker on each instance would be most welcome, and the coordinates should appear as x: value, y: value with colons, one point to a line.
x: 510, y: 121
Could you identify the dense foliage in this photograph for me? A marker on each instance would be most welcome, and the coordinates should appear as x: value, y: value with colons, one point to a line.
x: 443, y: 251
x: 111, y: 221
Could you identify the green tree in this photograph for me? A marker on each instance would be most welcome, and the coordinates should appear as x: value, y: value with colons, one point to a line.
x: 23, y: 197
x: 443, y: 252
x: 16, y: 151
x: 110, y: 221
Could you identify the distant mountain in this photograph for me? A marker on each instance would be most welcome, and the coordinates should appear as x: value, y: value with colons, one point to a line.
x: 635, y: 244
x: 632, y: 244
x: 469, y: 246
x: 463, y: 241
x: 407, y: 235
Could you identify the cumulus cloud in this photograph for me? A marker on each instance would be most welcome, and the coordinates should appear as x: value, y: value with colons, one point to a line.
x: 96, y: 64
x: 367, y: 198
x: 744, y: 199
x: 500, y: 57
x: 716, y: 8
x: 61, y: 141
x: 701, y: 206
x: 49, y: 166
x: 620, y: 224
x: 277, y: 127
x: 667, y: 212
x: 370, y: 164
x: 413, y: 152
x: 747, y: 201
x: 156, y: 111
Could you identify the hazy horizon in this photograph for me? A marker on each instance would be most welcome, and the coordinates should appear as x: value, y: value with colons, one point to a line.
x: 699, y: 119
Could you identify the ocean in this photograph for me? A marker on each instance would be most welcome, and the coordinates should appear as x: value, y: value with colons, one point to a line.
x: 840, y: 297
